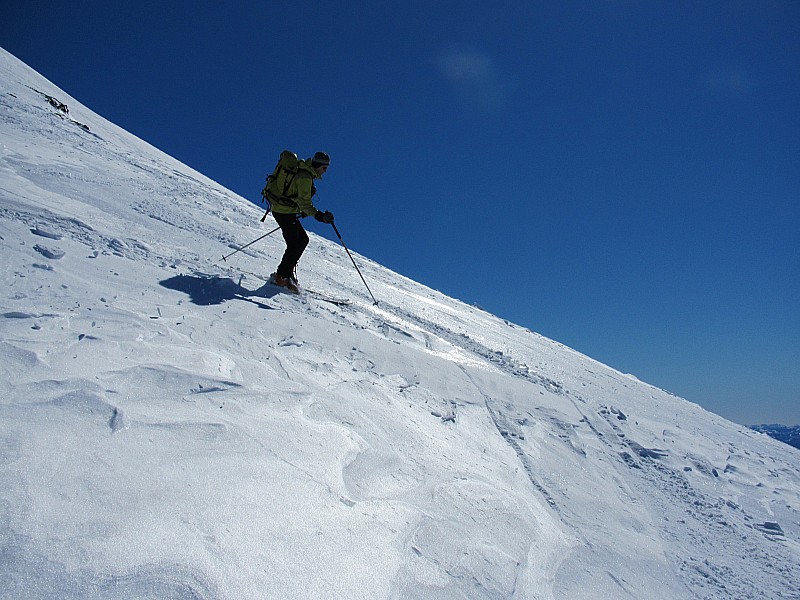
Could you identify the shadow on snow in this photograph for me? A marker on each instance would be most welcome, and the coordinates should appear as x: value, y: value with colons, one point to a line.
x: 209, y: 290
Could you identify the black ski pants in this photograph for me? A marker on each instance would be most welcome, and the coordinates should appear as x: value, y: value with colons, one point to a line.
x: 296, y: 241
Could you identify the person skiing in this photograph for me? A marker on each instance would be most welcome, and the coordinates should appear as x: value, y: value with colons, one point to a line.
x: 288, y: 209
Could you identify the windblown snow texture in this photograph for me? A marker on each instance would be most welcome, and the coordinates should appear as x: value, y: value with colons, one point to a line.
x: 170, y: 427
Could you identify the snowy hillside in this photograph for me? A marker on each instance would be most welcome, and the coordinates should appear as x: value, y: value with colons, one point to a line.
x: 172, y: 428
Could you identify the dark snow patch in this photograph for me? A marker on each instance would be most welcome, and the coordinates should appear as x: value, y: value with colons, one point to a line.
x: 46, y: 233
x: 770, y: 528
x: 646, y: 452
x: 51, y: 253
x: 117, y: 422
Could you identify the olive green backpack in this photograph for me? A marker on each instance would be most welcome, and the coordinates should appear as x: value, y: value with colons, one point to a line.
x: 277, y: 188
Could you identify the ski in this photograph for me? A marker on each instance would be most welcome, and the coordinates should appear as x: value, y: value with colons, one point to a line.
x: 326, y: 297
x: 307, y: 292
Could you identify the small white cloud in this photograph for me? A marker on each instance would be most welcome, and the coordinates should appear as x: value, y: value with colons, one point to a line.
x: 461, y: 66
x: 731, y: 80
x: 473, y: 75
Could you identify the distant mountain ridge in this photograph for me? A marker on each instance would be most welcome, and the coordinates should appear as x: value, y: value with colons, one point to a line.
x: 782, y: 433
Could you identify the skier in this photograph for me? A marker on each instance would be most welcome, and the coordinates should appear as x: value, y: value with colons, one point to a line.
x: 290, y: 208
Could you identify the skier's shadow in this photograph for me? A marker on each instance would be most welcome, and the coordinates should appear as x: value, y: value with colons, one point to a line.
x: 211, y: 290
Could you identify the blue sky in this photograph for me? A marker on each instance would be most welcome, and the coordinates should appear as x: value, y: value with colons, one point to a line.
x: 619, y: 175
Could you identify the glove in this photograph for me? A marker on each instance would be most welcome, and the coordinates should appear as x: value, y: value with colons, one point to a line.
x: 324, y: 217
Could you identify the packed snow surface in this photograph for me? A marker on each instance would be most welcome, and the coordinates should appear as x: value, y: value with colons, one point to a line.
x: 172, y: 427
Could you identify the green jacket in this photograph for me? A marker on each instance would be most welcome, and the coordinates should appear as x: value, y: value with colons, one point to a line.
x: 302, y: 190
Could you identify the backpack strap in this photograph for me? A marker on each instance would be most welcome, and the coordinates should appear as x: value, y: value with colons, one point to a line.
x: 269, y: 208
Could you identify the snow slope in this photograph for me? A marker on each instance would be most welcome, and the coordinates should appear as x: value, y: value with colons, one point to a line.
x: 172, y: 428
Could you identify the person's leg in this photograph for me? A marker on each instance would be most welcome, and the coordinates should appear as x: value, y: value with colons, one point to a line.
x: 296, y: 241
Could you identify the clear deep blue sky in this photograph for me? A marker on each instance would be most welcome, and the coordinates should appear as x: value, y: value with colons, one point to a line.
x: 619, y: 175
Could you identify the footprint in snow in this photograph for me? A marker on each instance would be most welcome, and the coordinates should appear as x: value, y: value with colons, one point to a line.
x: 289, y: 342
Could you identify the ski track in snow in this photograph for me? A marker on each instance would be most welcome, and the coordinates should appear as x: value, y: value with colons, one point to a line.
x: 442, y: 452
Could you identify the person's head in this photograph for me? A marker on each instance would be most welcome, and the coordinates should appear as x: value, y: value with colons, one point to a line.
x: 320, y: 162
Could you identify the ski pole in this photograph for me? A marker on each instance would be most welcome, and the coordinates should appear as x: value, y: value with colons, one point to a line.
x: 250, y: 244
x: 339, y: 235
